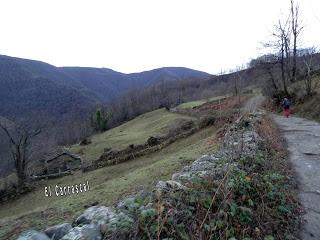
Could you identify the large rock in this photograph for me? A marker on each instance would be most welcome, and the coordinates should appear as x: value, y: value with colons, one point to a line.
x: 186, y: 177
x: 96, y: 214
x: 203, y: 167
x: 84, y: 142
x: 169, y: 186
x: 33, y: 235
x: 187, y: 124
x: 205, y: 163
x: 58, y: 231
x: 152, y: 141
x: 183, y: 177
x: 86, y: 232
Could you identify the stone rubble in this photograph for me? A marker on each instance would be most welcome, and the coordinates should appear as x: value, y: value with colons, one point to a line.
x: 58, y: 231
x: 97, y: 215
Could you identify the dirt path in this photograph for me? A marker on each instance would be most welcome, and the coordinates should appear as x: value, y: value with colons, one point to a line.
x: 303, y: 140
x: 253, y: 103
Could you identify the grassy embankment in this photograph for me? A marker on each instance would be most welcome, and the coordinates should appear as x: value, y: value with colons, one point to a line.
x: 136, y: 131
x: 310, y: 107
x: 197, y: 103
x: 108, y: 184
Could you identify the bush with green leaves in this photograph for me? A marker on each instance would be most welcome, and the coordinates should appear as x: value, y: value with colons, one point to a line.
x: 100, y: 119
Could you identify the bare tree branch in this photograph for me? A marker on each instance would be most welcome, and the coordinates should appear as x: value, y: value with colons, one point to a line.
x: 20, y: 138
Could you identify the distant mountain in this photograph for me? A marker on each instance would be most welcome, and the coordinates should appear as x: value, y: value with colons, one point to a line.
x: 108, y: 84
x: 29, y: 86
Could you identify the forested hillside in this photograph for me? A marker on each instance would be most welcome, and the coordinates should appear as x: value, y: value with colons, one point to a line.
x: 62, y: 99
x: 67, y: 93
x: 108, y: 84
x: 28, y: 85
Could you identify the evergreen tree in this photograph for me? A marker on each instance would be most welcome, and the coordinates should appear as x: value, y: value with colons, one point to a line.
x: 100, y: 120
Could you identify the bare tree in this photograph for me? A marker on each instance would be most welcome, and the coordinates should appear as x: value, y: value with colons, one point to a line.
x: 267, y: 64
x: 310, y: 85
x: 239, y: 82
x: 282, y: 42
x: 296, y: 29
x: 269, y: 69
x: 20, y: 137
x: 286, y: 35
x: 281, y: 45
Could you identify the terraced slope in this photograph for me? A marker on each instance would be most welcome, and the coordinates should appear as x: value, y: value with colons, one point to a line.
x: 136, y: 131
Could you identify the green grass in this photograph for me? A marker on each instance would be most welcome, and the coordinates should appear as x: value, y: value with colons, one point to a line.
x: 10, y: 179
x: 108, y: 184
x: 192, y: 104
x: 299, y: 86
x: 197, y: 103
x: 310, y: 108
x: 136, y: 131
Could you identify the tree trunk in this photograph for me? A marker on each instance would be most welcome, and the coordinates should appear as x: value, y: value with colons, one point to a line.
x: 295, y: 32
x: 283, y: 77
x: 272, y: 80
x: 294, y: 64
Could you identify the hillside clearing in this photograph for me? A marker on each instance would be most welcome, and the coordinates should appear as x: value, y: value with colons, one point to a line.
x: 197, y: 103
x: 136, y: 131
x: 107, y: 185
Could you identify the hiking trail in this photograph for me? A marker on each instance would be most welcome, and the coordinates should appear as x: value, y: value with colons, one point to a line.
x: 303, y: 143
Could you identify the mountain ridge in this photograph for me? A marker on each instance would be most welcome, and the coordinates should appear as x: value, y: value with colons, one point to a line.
x: 118, y: 82
x: 29, y: 86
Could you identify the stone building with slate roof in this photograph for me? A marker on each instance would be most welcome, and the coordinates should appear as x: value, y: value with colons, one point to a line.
x: 60, y: 160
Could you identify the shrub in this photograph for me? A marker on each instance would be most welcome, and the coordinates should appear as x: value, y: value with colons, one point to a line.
x: 206, y: 121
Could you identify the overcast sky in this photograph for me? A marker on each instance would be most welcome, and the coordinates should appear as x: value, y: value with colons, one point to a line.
x: 136, y: 35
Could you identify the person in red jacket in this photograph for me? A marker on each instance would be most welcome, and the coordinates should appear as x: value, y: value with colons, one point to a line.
x: 286, y: 107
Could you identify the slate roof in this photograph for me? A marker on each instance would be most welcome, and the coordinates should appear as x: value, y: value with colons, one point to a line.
x: 56, y: 153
